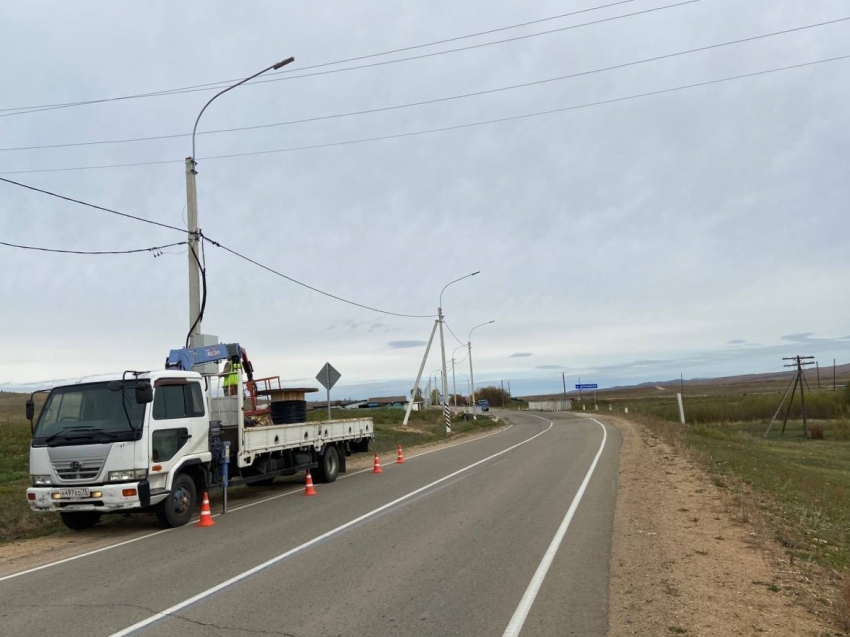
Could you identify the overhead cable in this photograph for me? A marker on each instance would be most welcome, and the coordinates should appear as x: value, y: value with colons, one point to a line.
x: 451, y: 332
x: 309, y: 287
x: 429, y: 131
x: 155, y: 250
x: 288, y: 75
x: 439, y: 99
x: 91, y: 205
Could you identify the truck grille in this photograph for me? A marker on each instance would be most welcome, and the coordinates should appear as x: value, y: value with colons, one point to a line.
x: 78, y: 470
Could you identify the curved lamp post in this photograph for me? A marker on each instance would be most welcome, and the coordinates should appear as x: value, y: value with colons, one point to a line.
x: 471, y: 377
x: 443, y: 351
x: 454, y: 383
x: 192, y: 210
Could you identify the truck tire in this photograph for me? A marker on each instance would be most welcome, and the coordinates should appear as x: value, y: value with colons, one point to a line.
x: 177, y: 509
x: 328, y: 468
x: 80, y: 520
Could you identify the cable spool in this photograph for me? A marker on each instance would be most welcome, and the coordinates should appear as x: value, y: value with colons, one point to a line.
x: 285, y: 412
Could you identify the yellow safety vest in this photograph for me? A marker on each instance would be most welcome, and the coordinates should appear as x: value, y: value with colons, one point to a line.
x: 233, y: 377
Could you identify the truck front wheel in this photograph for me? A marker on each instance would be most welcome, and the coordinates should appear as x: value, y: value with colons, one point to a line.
x: 177, y: 509
x: 328, y: 468
x: 80, y: 520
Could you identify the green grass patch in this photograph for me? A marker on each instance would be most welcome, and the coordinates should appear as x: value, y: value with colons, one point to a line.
x: 16, y: 519
x: 423, y: 427
x: 802, y: 486
x: 744, y: 407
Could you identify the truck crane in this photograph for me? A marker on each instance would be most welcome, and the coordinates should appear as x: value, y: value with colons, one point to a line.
x: 151, y: 441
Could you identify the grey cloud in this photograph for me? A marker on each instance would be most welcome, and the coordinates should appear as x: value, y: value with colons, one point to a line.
x: 521, y: 355
x: 406, y: 344
x: 550, y: 367
x: 663, y: 218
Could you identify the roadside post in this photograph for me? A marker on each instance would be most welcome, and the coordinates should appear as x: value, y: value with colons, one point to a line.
x: 681, y: 408
x: 225, y: 473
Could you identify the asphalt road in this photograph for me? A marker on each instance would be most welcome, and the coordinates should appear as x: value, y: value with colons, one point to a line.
x: 503, y: 535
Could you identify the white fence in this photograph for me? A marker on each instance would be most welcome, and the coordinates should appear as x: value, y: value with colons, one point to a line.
x: 550, y: 405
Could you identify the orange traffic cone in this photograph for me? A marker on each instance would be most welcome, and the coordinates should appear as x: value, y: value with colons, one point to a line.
x: 309, y: 490
x: 377, y: 467
x: 206, y: 514
x: 400, y: 458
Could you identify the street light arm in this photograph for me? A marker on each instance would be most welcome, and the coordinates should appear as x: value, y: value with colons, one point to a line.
x: 469, y: 339
x: 455, y: 281
x: 274, y: 67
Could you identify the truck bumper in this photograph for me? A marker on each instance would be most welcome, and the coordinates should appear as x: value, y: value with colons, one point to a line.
x: 104, y: 498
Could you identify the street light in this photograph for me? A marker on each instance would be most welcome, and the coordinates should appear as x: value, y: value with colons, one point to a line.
x: 192, y: 212
x: 454, y: 384
x: 443, y: 351
x: 471, y: 377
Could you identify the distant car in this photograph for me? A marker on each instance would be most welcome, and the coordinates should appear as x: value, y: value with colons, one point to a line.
x: 483, y: 405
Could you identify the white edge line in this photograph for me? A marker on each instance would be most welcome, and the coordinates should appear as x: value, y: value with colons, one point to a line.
x: 76, y: 557
x: 215, y: 515
x: 521, y: 613
x: 320, y: 538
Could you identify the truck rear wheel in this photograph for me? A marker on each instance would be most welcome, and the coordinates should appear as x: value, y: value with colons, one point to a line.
x: 328, y: 468
x: 80, y: 520
x: 177, y: 509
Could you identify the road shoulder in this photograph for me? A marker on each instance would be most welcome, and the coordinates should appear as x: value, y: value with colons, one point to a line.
x: 682, y: 561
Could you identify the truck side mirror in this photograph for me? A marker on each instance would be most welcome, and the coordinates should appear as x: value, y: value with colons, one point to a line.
x: 144, y: 393
x: 30, y: 409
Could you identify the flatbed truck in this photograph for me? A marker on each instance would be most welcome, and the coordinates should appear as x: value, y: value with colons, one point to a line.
x: 152, y: 441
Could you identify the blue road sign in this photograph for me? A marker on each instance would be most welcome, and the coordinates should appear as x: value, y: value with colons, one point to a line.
x: 587, y: 386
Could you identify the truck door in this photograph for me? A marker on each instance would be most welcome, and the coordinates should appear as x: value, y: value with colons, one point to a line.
x: 178, y: 422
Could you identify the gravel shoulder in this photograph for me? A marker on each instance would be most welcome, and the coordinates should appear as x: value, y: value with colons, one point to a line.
x: 685, y: 561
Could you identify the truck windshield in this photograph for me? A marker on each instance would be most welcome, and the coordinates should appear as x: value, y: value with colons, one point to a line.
x: 82, y: 414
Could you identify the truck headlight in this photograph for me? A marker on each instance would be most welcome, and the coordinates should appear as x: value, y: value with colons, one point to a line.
x: 41, y: 481
x: 127, y: 475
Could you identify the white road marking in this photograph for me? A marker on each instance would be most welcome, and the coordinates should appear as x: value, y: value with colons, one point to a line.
x: 521, y: 612
x: 232, y: 510
x: 320, y: 538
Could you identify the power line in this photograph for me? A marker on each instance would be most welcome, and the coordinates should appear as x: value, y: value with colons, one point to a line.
x: 26, y: 110
x: 159, y: 248
x: 446, y: 128
x: 221, y: 83
x: 452, y: 333
x: 91, y: 205
x: 155, y: 250
x: 310, y: 287
x: 443, y: 99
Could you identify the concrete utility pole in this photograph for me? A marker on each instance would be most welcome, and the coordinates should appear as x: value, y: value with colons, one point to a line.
x: 445, y: 383
x: 454, y: 382
x: 471, y: 376
x: 419, y: 376
x: 192, y: 213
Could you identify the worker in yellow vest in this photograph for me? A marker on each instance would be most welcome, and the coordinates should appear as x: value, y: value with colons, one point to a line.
x: 231, y: 378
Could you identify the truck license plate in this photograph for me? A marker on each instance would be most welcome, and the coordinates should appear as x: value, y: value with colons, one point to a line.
x: 74, y: 493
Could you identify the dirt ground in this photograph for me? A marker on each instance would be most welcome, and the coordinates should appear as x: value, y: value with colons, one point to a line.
x: 683, y: 562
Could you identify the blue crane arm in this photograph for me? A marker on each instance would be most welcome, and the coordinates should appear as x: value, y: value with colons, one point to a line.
x: 188, y: 357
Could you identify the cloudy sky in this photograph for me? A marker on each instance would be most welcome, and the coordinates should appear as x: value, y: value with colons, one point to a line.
x: 621, y: 237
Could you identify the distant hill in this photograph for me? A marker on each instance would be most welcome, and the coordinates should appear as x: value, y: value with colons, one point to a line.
x: 742, y: 383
